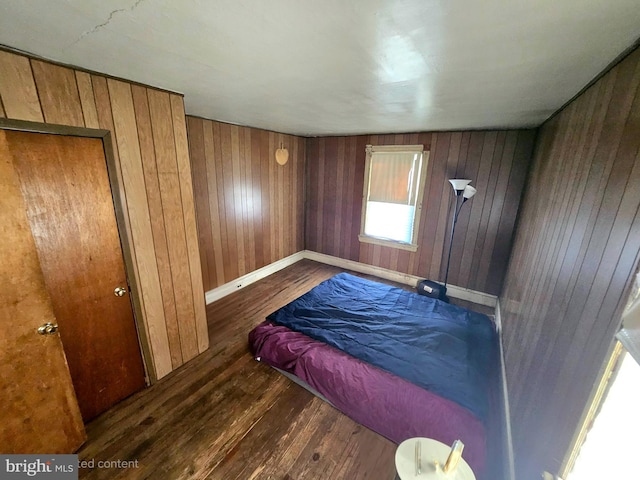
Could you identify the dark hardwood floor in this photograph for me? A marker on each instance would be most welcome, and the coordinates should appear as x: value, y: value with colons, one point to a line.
x: 225, y: 416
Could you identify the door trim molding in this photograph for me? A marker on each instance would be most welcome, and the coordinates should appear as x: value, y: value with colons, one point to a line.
x: 597, y: 398
x: 508, y: 462
x: 125, y: 241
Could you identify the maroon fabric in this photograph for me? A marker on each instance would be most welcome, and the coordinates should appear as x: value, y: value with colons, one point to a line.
x: 387, y: 404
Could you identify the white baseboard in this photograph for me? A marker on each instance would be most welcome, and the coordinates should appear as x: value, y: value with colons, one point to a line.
x: 241, y: 282
x: 361, y: 267
x: 509, y: 465
x: 411, y: 280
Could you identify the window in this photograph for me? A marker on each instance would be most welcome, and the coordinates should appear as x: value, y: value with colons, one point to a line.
x: 392, y: 196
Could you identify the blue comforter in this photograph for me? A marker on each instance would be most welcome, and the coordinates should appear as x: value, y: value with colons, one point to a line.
x: 446, y: 349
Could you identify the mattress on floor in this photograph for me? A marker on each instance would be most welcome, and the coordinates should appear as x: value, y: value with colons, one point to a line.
x: 401, y: 364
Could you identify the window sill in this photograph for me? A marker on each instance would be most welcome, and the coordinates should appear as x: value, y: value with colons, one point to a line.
x: 411, y: 247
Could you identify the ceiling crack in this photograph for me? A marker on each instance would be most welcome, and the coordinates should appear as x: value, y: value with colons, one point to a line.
x: 106, y: 22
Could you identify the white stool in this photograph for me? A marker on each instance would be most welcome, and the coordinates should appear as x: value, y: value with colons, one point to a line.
x: 430, y: 452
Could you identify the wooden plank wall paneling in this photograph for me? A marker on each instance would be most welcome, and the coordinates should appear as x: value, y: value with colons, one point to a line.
x: 496, y: 161
x: 17, y: 77
x: 148, y: 129
x: 575, y: 253
x: 249, y: 209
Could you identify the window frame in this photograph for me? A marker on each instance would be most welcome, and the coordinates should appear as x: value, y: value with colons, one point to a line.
x: 362, y: 237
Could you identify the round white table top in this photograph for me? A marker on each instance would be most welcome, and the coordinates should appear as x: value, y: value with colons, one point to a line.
x: 430, y: 452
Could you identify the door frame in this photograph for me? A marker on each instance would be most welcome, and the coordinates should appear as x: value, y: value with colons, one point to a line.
x: 116, y: 197
x: 597, y: 398
x: 606, y: 377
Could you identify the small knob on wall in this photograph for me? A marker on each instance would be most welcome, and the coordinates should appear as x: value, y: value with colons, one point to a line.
x: 119, y: 292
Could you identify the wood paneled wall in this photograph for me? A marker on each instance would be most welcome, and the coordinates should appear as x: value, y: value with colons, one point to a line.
x: 576, y: 250
x: 496, y: 161
x: 249, y: 209
x: 150, y: 145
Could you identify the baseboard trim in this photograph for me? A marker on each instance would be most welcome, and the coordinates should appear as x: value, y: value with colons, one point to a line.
x: 360, y: 267
x: 241, y: 282
x: 411, y: 280
x: 509, y: 465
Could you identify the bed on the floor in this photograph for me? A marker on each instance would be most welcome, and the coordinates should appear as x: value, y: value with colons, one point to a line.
x: 399, y: 363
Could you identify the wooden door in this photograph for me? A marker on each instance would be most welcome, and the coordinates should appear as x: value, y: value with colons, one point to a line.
x: 65, y: 185
x: 39, y: 409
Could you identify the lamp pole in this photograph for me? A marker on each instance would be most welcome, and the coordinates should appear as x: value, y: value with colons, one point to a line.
x: 456, y: 211
x: 462, y: 189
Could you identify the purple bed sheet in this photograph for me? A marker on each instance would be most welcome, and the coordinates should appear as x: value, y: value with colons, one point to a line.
x: 381, y: 401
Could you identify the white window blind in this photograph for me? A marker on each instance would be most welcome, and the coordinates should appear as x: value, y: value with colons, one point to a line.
x: 392, y: 193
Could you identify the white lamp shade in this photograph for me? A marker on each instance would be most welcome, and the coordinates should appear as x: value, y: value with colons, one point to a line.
x: 469, y: 192
x: 459, y: 184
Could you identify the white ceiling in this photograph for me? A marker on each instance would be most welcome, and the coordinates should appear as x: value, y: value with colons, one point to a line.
x: 319, y: 67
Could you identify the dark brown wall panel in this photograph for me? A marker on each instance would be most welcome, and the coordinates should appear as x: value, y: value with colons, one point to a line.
x: 496, y: 161
x: 149, y: 144
x: 249, y: 209
x: 575, y: 253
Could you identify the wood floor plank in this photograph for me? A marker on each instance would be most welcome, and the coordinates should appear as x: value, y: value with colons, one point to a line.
x: 289, y: 450
x: 225, y: 416
x: 247, y: 458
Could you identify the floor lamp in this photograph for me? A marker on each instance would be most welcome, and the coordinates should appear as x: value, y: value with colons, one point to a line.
x: 463, y: 192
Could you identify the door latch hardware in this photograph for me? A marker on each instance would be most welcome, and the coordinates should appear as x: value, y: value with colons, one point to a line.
x: 47, y: 329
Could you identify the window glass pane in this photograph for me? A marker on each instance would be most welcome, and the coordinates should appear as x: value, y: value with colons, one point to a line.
x: 391, y: 221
